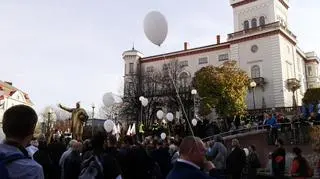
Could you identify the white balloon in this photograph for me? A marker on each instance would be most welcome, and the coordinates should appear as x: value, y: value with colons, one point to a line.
x: 160, y: 114
x: 108, y: 125
x: 169, y: 116
x: 163, y: 136
x: 141, y: 98
x: 108, y: 99
x: 194, y: 122
x: 155, y: 27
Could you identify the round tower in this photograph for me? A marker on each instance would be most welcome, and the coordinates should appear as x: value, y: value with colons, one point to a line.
x: 131, y: 69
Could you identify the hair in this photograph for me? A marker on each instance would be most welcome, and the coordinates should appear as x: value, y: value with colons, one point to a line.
x: 187, y: 144
x: 235, y: 142
x: 253, y: 147
x: 297, y: 151
x: 97, y: 141
x: 19, y: 122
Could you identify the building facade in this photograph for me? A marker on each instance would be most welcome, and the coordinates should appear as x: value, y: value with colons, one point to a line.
x: 264, y: 47
x: 11, y: 96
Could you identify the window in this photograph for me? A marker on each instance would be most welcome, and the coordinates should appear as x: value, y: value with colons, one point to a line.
x: 184, y: 77
x: 203, y: 60
x: 299, y: 64
x: 246, y: 25
x: 150, y: 69
x: 262, y: 21
x: 130, y: 86
x: 183, y: 64
x: 254, y: 23
x: 309, y: 71
x: 223, y: 57
x: 131, y: 68
x: 289, y: 70
x: 255, y: 71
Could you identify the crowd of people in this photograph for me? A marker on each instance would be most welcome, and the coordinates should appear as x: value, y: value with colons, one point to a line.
x: 102, y: 156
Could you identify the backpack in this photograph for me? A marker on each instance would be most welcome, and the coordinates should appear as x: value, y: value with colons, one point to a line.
x: 92, y: 168
x: 5, y: 160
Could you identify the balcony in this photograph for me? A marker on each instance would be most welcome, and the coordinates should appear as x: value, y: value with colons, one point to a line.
x: 259, y: 81
x: 293, y: 84
x: 267, y: 27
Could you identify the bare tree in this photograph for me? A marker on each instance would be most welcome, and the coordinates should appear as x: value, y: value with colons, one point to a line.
x: 161, y: 87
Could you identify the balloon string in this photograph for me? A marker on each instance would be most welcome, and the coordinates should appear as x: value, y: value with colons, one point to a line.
x: 178, y: 96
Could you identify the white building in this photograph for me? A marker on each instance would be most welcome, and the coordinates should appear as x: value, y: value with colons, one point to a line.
x: 262, y: 44
x: 10, y: 96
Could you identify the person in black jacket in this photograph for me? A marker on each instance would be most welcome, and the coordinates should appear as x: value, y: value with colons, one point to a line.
x: 42, y: 156
x: 279, y: 160
x: 236, y: 160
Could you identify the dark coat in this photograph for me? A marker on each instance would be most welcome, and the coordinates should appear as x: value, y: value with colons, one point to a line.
x: 236, y: 161
x: 185, y: 171
x: 42, y: 156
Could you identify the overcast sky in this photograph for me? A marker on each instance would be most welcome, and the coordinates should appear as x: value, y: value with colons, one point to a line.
x: 70, y: 50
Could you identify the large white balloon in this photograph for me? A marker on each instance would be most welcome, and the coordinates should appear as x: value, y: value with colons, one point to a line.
x: 160, y: 114
x: 108, y: 125
x: 108, y: 99
x: 163, y: 136
x: 194, y: 122
x: 141, y: 98
x: 155, y: 27
x: 169, y: 116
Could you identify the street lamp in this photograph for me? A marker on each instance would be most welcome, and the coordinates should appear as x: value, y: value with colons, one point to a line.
x: 253, y: 85
x: 194, y: 93
x: 92, y: 122
x: 50, y: 111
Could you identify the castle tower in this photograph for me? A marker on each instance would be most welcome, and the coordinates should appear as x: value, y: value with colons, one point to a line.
x: 266, y: 49
x: 132, y: 70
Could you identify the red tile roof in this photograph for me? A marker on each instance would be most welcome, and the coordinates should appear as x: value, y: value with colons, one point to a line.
x: 9, y: 90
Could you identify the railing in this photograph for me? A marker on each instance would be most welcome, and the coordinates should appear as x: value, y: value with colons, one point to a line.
x: 168, y: 92
x: 271, y: 26
x: 285, y: 110
x: 292, y: 132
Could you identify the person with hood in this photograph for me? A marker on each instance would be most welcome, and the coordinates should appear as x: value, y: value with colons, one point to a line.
x: 18, y: 125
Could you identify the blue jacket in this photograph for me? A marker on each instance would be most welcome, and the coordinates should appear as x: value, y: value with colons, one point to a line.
x: 185, y: 171
x: 23, y: 168
x: 272, y: 122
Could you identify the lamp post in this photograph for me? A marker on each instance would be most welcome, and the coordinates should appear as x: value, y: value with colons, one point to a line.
x: 92, y: 122
x: 49, y: 123
x: 253, y: 85
x: 194, y: 93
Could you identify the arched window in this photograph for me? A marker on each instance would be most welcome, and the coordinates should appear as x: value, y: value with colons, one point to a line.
x: 262, y: 21
x: 184, y: 79
x: 255, y: 71
x: 246, y: 25
x: 254, y: 23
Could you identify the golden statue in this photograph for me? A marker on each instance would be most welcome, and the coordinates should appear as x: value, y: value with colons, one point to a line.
x: 78, y: 117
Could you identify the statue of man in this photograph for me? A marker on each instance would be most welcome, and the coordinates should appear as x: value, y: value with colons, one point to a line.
x: 78, y: 117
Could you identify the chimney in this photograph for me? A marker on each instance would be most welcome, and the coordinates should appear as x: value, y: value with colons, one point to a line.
x: 186, y: 45
x: 218, y: 39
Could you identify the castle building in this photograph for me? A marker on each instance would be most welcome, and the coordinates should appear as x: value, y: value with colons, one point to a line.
x: 11, y: 96
x: 262, y: 43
